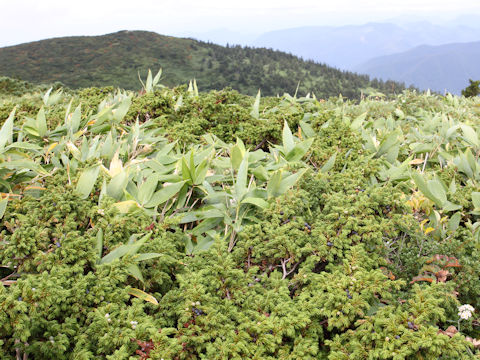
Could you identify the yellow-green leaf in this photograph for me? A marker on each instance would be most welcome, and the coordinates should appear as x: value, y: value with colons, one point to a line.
x: 143, y: 295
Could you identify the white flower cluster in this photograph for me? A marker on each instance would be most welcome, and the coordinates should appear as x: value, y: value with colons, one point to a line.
x: 134, y: 324
x: 465, y: 311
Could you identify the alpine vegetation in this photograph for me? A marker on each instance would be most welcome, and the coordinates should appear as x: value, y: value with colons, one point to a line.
x: 178, y: 224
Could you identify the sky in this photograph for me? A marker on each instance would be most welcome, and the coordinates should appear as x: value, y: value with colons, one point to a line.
x: 31, y: 20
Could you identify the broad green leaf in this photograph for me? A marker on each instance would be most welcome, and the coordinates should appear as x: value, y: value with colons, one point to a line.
x: 149, y: 82
x: 438, y: 192
x: 357, y: 122
x: 422, y: 185
x: 3, y: 206
x: 387, y: 144
x: 117, y: 185
x: 255, y: 201
x: 299, y: 150
x: 476, y: 199
x: 454, y: 221
x: 121, y: 110
x: 134, y: 271
x: 203, y: 243
x: 126, y: 206
x: 178, y: 104
x: 287, y: 138
x: 192, y: 168
x: 452, y: 130
x: 448, y: 206
x: 195, y: 88
x: 329, y: 164
x: 99, y: 243
x: 143, y: 295
x: 164, y: 194
x: 289, y: 181
x: 22, y: 165
x: 115, y: 254
x: 206, y: 225
x: 470, y: 134
x: 41, y: 123
x: 242, y: 175
x: 471, y: 160
x: 256, y: 107
x: 6, y: 133
x: 156, y: 79
x: 392, y: 154
x: 87, y: 181
x: 452, y: 189
x: 237, y: 153
x: 147, y: 189
x: 201, y: 172
x: 422, y: 148
x: 24, y: 145
x: 46, y: 96
x: 186, y: 174
x: 400, y: 114
x: 75, y: 119
x: 260, y: 173
x: 274, y: 184
x: 307, y: 129
x: 146, y: 256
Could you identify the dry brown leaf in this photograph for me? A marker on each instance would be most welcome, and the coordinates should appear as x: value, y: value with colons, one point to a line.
x: 442, y: 275
x: 451, y: 330
x: 475, y: 342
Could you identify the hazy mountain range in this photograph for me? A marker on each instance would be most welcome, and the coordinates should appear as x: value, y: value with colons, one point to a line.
x: 404, y: 49
x: 346, y: 47
x: 441, y: 68
x: 117, y: 59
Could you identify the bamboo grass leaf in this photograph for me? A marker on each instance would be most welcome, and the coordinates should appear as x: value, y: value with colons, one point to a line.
x: 3, y: 206
x: 164, y: 194
x: 287, y: 138
x: 6, y: 133
x: 143, y: 295
x: 255, y: 113
x: 87, y: 181
x: 329, y: 164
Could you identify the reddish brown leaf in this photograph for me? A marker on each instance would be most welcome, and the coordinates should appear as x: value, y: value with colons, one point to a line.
x: 422, y: 278
x: 475, y: 342
x: 442, y: 275
x: 451, y: 330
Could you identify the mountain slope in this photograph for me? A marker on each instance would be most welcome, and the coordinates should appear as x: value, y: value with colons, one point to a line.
x: 115, y: 59
x: 445, y: 67
x: 346, y: 47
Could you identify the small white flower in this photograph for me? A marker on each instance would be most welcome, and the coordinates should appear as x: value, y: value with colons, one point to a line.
x: 134, y: 324
x: 465, y: 311
x: 197, y: 303
x: 51, y: 340
x: 466, y: 307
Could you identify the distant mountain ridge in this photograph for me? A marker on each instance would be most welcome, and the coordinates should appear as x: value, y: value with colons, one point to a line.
x: 114, y: 59
x: 440, y: 68
x: 346, y: 47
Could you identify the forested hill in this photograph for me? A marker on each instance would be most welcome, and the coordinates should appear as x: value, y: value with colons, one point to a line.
x: 115, y: 59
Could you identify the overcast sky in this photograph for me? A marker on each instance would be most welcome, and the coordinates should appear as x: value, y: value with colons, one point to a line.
x: 30, y: 20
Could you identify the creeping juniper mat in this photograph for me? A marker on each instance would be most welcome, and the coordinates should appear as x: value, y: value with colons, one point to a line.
x: 178, y: 224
